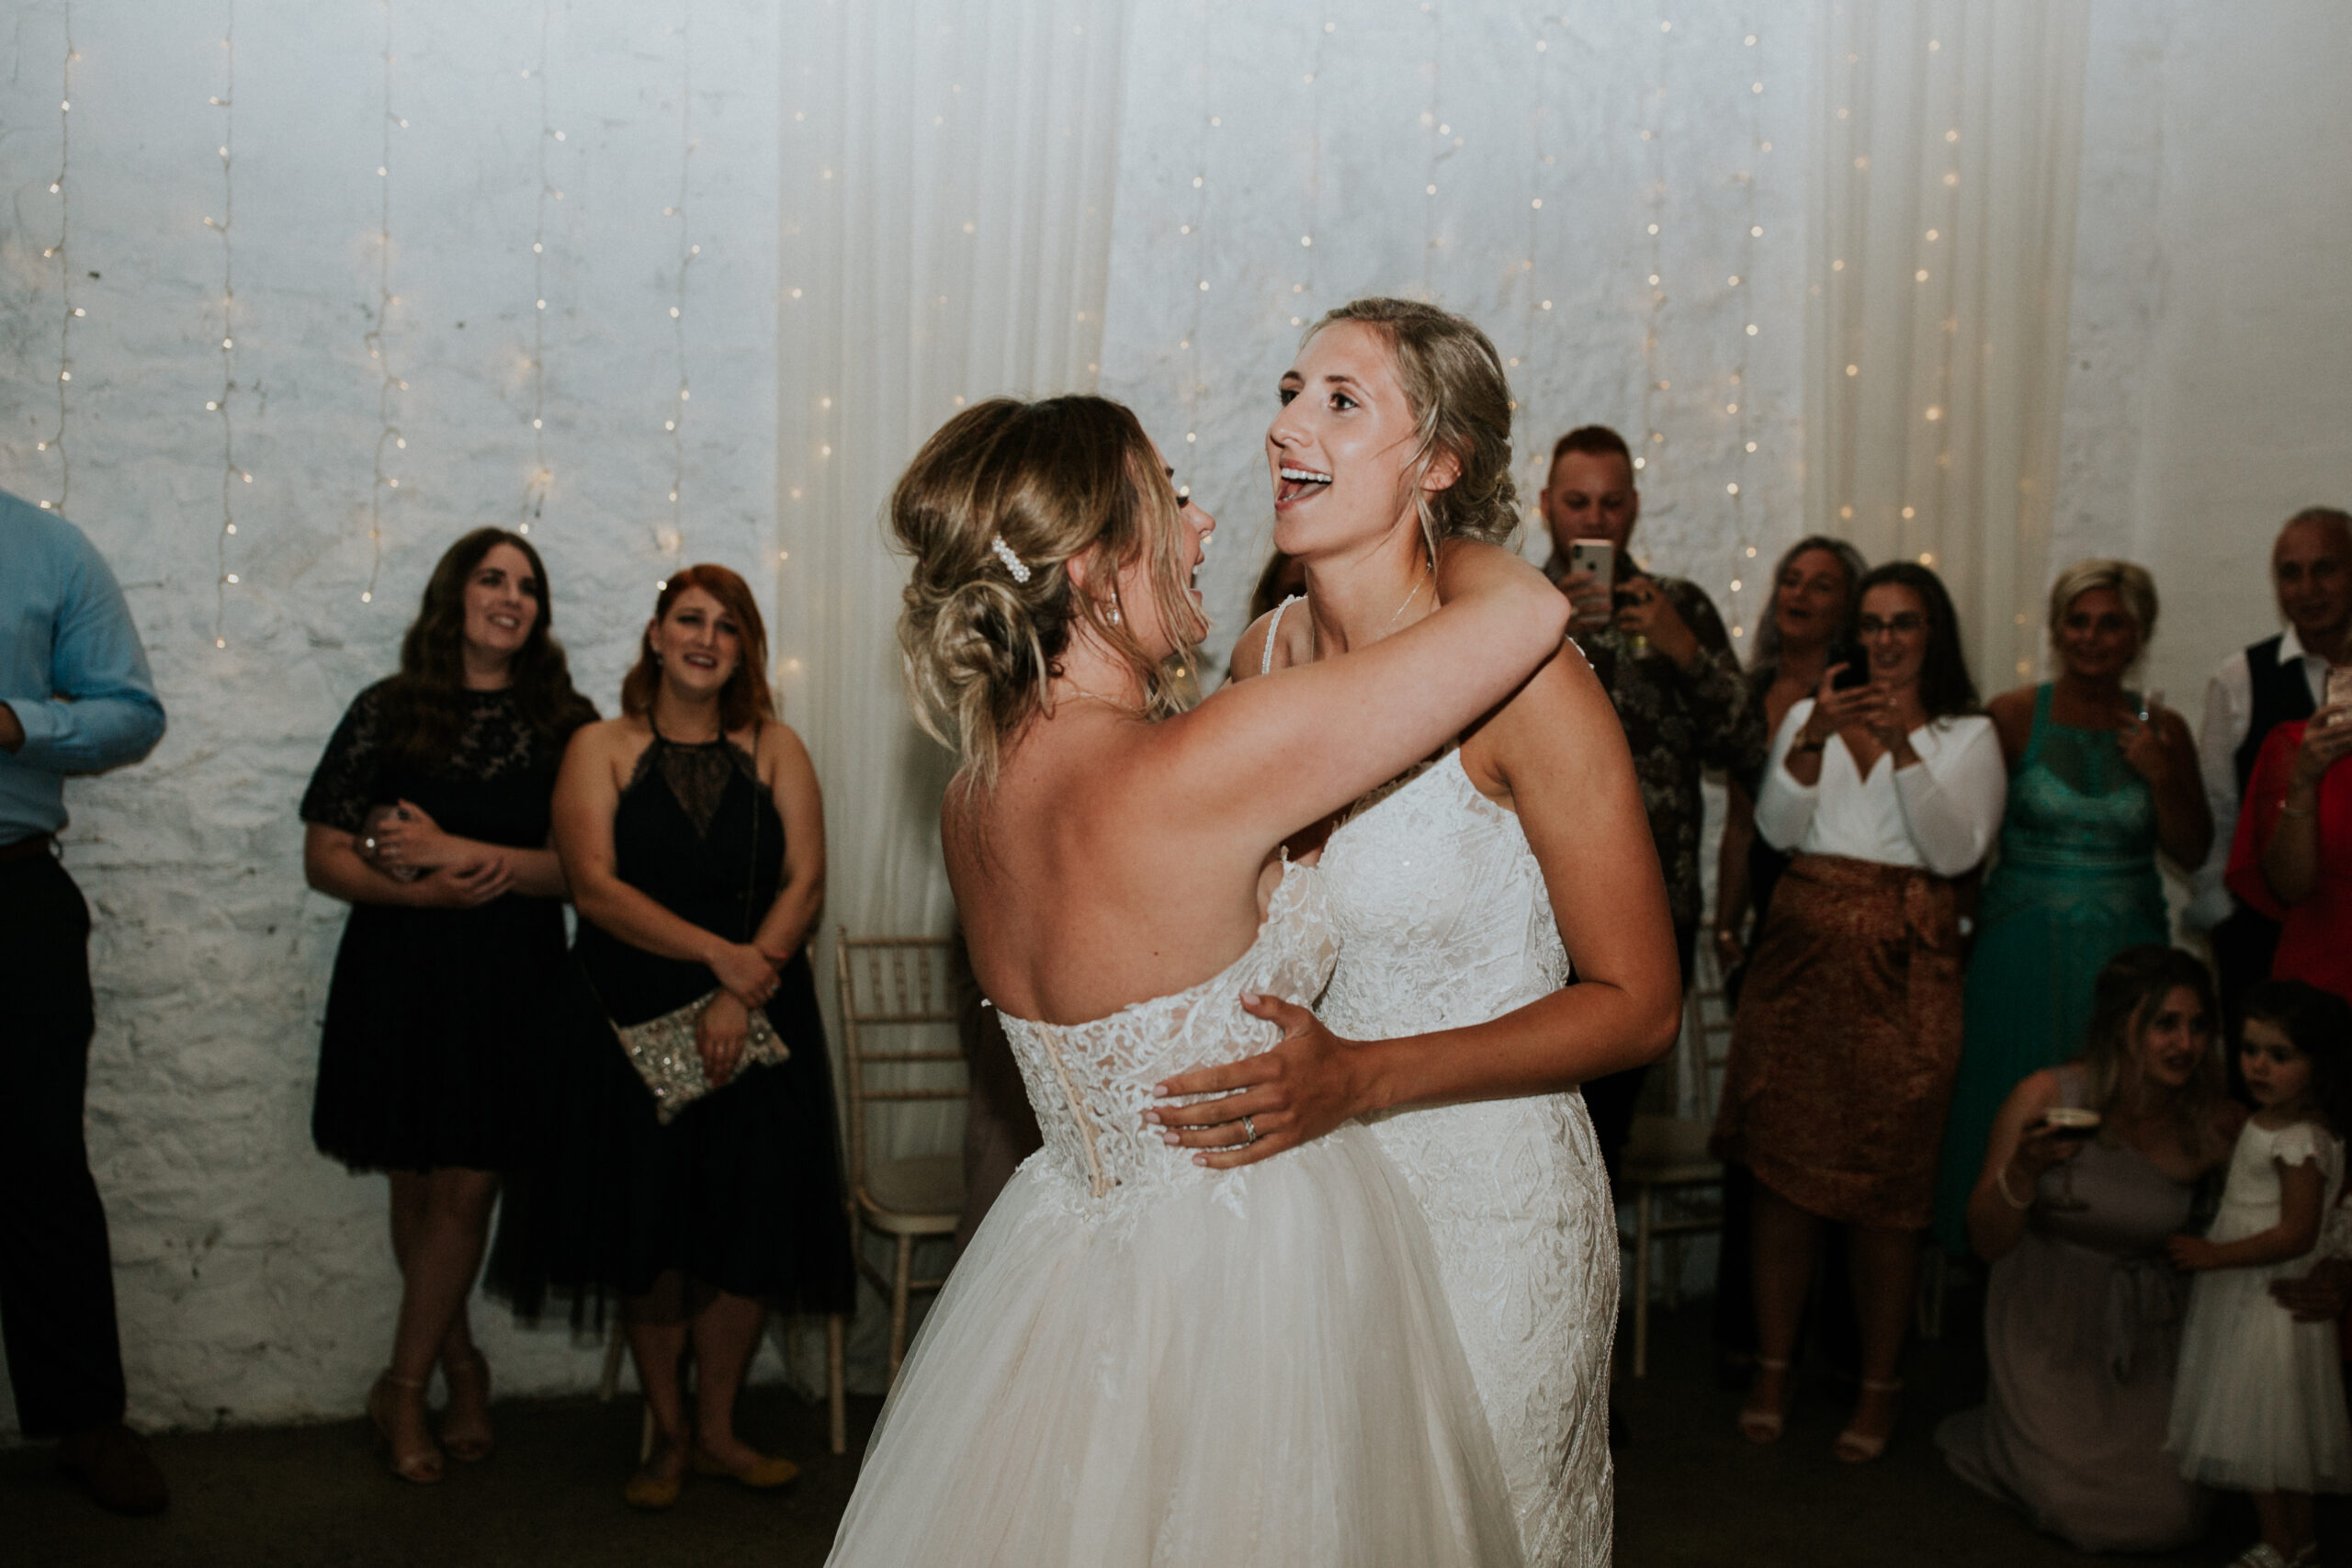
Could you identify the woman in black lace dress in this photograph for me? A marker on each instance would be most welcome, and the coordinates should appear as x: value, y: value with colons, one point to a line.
x: 695, y: 841
x: 429, y: 817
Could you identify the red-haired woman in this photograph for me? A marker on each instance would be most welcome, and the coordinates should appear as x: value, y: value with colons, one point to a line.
x: 695, y: 841
x: 428, y: 816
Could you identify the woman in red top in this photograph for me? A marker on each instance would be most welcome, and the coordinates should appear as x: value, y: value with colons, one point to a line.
x: 2293, y: 857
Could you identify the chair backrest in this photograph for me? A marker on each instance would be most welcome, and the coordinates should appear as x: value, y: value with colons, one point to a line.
x: 894, y: 989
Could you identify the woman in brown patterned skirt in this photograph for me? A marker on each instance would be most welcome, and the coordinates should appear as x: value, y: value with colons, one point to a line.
x: 1849, y: 1026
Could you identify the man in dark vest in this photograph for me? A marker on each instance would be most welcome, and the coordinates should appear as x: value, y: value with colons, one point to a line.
x: 2275, y: 681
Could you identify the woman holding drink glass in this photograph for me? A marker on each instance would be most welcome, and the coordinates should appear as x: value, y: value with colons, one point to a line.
x: 1849, y: 1030
x: 2292, y: 856
x: 2092, y: 1167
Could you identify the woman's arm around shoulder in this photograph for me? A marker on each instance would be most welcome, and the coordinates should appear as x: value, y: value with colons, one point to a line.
x: 1261, y: 758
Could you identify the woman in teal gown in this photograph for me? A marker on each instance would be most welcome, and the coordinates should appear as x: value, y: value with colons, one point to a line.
x: 2099, y: 780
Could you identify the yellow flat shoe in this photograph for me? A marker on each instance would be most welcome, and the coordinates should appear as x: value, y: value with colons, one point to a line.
x: 761, y: 1475
x: 651, y: 1491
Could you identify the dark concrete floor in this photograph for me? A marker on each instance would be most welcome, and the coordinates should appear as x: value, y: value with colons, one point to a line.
x: 1690, y: 1492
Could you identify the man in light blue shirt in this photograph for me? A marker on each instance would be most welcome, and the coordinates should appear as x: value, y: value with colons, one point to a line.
x: 75, y: 697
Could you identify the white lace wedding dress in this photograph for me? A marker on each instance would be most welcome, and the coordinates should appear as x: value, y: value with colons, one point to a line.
x: 1139, y: 1361
x: 1443, y: 921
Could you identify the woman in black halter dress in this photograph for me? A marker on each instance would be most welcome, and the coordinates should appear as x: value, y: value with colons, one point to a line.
x: 694, y: 837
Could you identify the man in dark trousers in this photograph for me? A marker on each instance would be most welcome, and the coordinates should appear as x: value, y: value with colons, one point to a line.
x: 75, y: 697
x: 2273, y: 681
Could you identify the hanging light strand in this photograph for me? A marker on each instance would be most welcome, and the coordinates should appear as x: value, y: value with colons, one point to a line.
x: 1739, y: 402
x: 1304, y: 292
x: 1196, y: 388
x: 231, y: 473
x: 387, y: 434
x: 535, y: 492
x: 68, y: 312
x: 673, y: 538
x: 1440, y: 148
x: 1530, y: 285
x: 1653, y: 131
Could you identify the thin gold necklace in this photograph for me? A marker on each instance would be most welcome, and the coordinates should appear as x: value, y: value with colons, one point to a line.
x: 1314, y: 636
x: 1111, y: 702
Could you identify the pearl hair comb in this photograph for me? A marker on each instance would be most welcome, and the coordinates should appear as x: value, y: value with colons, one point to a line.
x: 1013, y: 563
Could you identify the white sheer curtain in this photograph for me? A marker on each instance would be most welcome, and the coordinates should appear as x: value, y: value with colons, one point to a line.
x: 1947, y: 141
x: 945, y: 228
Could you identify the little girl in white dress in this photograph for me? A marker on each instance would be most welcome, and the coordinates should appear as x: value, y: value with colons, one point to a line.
x: 2258, y: 1403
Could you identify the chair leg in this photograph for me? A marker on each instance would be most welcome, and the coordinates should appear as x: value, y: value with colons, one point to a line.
x: 1641, y: 1282
x: 901, y: 1284
x: 616, y: 1345
x: 836, y: 1378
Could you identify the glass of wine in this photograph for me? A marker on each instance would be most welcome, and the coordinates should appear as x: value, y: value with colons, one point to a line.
x: 2073, y: 1125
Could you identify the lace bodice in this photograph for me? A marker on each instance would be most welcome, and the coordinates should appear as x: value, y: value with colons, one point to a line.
x: 1091, y: 1082
x: 1439, y: 907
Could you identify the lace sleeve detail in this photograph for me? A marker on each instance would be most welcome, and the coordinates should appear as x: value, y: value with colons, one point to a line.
x: 2302, y: 1142
x: 344, y: 786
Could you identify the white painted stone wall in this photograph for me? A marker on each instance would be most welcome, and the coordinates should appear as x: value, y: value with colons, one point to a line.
x: 2209, y: 394
x: 253, y: 1275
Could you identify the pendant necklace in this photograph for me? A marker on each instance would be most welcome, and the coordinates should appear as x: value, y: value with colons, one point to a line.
x: 1314, y: 637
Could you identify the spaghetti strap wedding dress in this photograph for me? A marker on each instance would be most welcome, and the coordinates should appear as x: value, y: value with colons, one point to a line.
x: 1141, y: 1361
x: 1443, y: 921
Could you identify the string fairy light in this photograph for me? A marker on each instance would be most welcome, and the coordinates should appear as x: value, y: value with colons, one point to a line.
x: 1653, y: 131
x: 1440, y: 148
x: 1737, y: 406
x: 1195, y: 384
x: 535, y: 492
x: 232, y: 473
x: 672, y: 538
x: 68, y: 311
x: 1536, y: 307
x: 1304, y: 292
x: 387, y: 430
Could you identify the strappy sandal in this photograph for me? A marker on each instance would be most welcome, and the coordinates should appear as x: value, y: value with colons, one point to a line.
x: 1757, y: 1423
x: 469, y: 1443
x: 1860, y: 1447
x: 418, y: 1467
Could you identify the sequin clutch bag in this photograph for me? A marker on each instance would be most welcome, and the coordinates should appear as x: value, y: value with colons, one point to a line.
x: 662, y: 1052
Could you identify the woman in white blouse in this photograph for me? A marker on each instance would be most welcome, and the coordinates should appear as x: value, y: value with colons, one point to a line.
x: 1849, y: 1027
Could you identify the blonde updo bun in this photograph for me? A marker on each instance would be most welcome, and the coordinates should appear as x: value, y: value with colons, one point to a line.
x: 1054, y: 480
x: 1454, y: 382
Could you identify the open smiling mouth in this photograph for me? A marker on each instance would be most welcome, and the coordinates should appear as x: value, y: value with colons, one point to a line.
x: 1296, y: 482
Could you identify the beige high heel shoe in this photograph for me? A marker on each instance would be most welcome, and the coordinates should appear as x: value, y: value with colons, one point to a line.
x: 1860, y: 1447
x: 418, y: 1467
x: 1757, y: 1423
x: 472, y: 1443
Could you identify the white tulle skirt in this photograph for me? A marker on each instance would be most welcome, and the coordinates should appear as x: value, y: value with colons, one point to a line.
x: 1257, y: 1369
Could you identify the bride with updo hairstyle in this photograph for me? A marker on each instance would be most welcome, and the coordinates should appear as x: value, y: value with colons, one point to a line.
x: 1142, y: 1357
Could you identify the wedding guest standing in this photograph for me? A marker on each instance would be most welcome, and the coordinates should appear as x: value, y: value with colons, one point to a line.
x: 695, y: 839
x: 1811, y: 620
x: 2292, y: 860
x: 1849, y: 1029
x: 75, y: 697
x: 429, y: 815
x: 2081, y: 1313
x: 1659, y: 648
x: 2270, y: 682
x: 2100, y: 778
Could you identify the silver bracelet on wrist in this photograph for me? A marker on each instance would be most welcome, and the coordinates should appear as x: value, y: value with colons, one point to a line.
x: 2001, y: 1180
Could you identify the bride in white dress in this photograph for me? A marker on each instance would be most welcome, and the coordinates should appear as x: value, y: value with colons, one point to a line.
x: 1451, y: 889
x: 1141, y: 1359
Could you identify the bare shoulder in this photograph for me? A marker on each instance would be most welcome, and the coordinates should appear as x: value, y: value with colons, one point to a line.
x: 2012, y: 715
x: 1286, y: 623
x: 1557, y: 725
x: 2036, y: 1093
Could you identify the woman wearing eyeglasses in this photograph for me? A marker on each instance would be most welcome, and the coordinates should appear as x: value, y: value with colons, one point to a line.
x: 2100, y: 778
x: 1849, y: 1027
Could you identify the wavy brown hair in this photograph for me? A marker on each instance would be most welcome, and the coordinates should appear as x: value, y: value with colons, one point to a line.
x: 1945, y: 688
x: 1461, y: 401
x: 745, y: 697
x: 1054, y: 480
x: 424, y: 714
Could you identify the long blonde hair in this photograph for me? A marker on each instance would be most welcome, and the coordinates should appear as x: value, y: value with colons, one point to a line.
x: 1461, y: 402
x: 1052, y: 479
